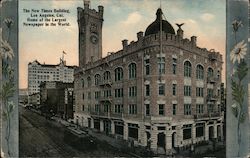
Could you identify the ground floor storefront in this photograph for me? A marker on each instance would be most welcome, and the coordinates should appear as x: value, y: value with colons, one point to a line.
x: 159, y: 136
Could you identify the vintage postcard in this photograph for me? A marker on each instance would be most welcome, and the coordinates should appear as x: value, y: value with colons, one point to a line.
x: 124, y: 78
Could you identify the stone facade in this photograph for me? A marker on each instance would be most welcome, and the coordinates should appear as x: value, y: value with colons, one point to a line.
x: 152, y: 113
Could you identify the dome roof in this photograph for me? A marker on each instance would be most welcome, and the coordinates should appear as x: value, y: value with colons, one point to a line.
x: 154, y: 27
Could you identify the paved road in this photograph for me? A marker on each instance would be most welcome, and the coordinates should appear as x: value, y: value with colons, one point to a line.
x: 39, y: 137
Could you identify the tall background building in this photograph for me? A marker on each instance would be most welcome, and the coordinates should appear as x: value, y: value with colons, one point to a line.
x: 161, y: 91
x: 38, y: 73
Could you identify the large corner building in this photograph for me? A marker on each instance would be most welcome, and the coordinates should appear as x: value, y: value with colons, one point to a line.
x: 161, y: 91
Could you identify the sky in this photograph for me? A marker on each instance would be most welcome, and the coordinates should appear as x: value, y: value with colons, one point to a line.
x: 122, y: 20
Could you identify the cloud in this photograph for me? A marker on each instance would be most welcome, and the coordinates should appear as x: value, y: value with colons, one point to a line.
x: 132, y: 19
x: 207, y: 17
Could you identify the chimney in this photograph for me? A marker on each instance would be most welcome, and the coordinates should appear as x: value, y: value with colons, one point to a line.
x: 100, y: 10
x: 139, y: 35
x: 86, y: 4
x: 124, y: 43
x: 194, y: 40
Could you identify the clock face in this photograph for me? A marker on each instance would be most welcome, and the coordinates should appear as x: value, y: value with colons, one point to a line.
x: 94, y: 39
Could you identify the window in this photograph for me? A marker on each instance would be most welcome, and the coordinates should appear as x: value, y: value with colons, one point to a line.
x: 107, y: 93
x: 89, y: 107
x: 118, y: 74
x: 147, y: 90
x: 106, y: 107
x: 174, y: 89
x: 199, y: 108
x: 119, y: 93
x: 82, y: 107
x: 199, y: 72
x: 187, y: 109
x: 82, y: 96
x: 161, y: 65
x: 132, y: 70
x: 82, y: 82
x: 132, y: 109
x: 133, y: 131
x: 118, y: 108
x: 174, y: 65
x: 89, y: 81
x: 132, y: 91
x: 209, y: 93
x: 174, y: 109
x: 97, y: 79
x: 147, y: 67
x: 210, y: 108
x: 89, y: 95
x: 200, y: 129
x: 97, y: 94
x: 187, y: 69
x: 106, y: 76
x: 187, y: 131
x: 210, y: 72
x: 147, y: 109
x: 161, y: 109
x: 187, y: 90
x: 218, y: 74
x: 199, y: 92
x: 97, y: 108
x: 161, y: 89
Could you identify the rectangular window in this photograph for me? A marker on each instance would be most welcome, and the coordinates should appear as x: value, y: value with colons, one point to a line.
x: 187, y: 133
x: 132, y: 109
x: 118, y: 108
x: 97, y: 108
x: 210, y: 108
x: 199, y: 108
x: 210, y: 93
x: 106, y: 107
x: 161, y: 89
x: 161, y: 109
x: 199, y: 92
x: 161, y: 65
x: 119, y: 93
x: 187, y: 109
x: 147, y: 90
x: 174, y: 65
x: 89, y: 107
x: 187, y: 90
x: 82, y: 107
x: 174, y: 89
x: 147, y: 109
x: 200, y: 129
x: 82, y: 96
x: 132, y: 91
x: 89, y: 95
x: 174, y: 109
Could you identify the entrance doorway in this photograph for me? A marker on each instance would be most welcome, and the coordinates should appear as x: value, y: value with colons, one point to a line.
x: 161, y: 140
x: 107, y: 126
x: 89, y: 122
x: 148, y: 140
x: 211, y: 132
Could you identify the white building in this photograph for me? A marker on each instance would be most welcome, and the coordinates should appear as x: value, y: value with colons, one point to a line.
x: 38, y: 73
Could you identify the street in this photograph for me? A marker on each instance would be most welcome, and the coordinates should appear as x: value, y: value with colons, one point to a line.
x: 39, y: 137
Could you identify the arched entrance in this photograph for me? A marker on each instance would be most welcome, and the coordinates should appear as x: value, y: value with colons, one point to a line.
x: 211, y: 132
x: 174, y: 140
x: 161, y: 140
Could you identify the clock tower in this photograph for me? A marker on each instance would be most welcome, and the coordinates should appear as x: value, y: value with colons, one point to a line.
x: 90, y: 33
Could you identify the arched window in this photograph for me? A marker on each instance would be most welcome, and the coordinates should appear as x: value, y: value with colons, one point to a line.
x: 89, y: 81
x: 199, y: 72
x: 97, y: 79
x: 82, y: 83
x: 118, y: 74
x: 187, y: 69
x: 210, y: 72
x: 106, y: 76
x: 132, y: 70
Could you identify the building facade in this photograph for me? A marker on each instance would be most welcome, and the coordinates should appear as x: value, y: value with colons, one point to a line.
x: 38, y: 73
x: 57, y: 97
x: 161, y: 91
